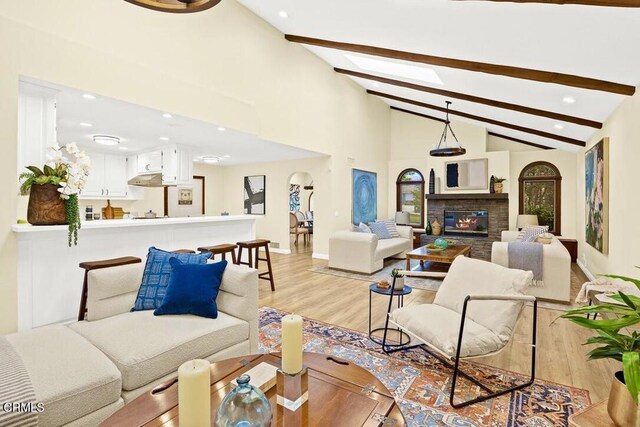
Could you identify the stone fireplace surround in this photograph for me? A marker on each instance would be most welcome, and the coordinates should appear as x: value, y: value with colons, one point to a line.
x: 497, y: 204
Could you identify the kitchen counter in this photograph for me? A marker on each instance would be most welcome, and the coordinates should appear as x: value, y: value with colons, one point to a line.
x: 50, y: 280
x: 119, y: 223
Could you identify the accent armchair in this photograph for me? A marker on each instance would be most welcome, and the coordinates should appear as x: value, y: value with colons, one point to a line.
x: 474, y: 314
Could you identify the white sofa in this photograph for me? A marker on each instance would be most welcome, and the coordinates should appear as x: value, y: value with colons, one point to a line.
x: 556, y: 267
x: 87, y: 370
x: 364, y: 252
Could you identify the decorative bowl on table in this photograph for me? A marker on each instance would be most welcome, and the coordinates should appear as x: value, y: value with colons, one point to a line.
x: 441, y: 243
x: 451, y: 242
x: 433, y: 248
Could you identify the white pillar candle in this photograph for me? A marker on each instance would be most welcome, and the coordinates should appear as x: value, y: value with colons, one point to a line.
x: 194, y: 393
x: 291, y: 344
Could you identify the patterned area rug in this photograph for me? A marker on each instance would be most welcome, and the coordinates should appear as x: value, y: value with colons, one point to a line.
x: 420, y: 383
x: 389, y: 264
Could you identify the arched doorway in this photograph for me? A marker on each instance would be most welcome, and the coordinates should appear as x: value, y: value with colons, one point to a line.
x: 301, y: 213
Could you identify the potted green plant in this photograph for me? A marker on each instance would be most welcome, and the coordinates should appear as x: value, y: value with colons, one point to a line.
x: 398, y: 279
x: 498, y: 184
x: 614, y: 344
x: 53, y: 189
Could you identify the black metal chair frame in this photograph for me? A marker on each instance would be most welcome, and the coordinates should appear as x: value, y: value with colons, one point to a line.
x: 456, y: 366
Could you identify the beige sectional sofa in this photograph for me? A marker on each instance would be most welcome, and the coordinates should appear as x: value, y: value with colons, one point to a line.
x: 364, y: 252
x: 85, y: 371
x: 556, y: 267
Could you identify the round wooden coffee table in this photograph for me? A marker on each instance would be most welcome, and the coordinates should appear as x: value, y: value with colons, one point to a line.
x: 340, y: 394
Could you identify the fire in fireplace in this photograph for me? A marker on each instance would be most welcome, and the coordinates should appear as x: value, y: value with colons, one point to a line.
x: 466, y: 223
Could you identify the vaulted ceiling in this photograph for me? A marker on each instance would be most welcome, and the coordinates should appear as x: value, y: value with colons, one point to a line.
x: 545, y: 73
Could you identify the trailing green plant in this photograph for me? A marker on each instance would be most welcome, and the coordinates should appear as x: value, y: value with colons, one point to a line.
x: 612, y: 344
x: 69, y: 175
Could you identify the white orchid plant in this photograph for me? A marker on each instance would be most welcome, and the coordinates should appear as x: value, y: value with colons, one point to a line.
x: 68, y: 173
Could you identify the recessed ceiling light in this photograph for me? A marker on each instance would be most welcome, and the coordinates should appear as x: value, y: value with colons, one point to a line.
x: 568, y: 100
x: 164, y: 138
x: 106, y: 139
x: 210, y: 159
x: 398, y: 69
x: 88, y: 96
x: 123, y: 148
x: 375, y: 84
x: 85, y: 124
x: 226, y: 156
x: 167, y: 116
x: 221, y: 129
x: 283, y: 14
x: 558, y: 126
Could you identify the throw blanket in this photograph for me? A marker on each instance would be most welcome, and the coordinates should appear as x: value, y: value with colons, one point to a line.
x: 15, y: 387
x: 606, y: 285
x: 527, y: 256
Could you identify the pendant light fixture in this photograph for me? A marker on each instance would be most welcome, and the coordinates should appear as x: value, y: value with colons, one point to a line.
x: 443, y: 150
x: 176, y: 6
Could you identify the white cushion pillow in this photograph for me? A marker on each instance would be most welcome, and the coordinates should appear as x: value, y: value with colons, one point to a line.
x: 391, y: 226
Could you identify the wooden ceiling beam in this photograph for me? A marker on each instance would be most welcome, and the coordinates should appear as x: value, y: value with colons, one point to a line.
x: 476, y: 99
x: 604, y: 3
x: 501, y: 70
x: 437, y: 119
x: 518, y: 140
x: 481, y: 119
x: 426, y: 116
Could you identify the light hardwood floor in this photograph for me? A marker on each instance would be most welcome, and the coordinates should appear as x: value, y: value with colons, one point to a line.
x: 345, y: 302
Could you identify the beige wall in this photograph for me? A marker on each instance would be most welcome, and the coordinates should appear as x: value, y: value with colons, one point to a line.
x: 225, y: 66
x: 623, y: 130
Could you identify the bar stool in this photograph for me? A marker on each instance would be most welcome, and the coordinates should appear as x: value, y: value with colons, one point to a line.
x: 256, y: 245
x: 222, y: 249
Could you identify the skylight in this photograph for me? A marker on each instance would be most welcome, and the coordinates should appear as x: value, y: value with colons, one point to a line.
x: 397, y: 69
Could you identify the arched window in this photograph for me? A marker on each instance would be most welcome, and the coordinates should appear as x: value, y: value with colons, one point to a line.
x: 540, y: 184
x: 410, y: 196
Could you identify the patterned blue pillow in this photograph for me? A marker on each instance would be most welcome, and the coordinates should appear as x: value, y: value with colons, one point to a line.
x: 157, y: 272
x: 380, y: 229
x: 531, y: 233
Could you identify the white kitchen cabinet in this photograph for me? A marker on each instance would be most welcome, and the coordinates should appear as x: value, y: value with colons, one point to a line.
x: 150, y: 162
x: 95, y: 181
x: 177, y: 167
x: 107, y: 177
x: 115, y: 176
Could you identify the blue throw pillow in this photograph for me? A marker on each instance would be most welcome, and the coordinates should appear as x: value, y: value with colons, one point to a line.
x: 380, y: 229
x: 192, y: 289
x: 157, y: 272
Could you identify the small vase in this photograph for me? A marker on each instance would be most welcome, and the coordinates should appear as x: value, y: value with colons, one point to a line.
x: 245, y: 405
x: 436, y: 227
x: 492, y: 184
x: 398, y: 284
x: 427, y: 228
x: 621, y: 407
x: 45, y: 205
x: 498, y: 187
x: 432, y: 182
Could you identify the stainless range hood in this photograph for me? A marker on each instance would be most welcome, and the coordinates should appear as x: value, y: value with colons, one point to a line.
x: 147, y: 180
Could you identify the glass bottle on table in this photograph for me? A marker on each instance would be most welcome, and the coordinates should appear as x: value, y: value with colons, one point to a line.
x: 244, y: 406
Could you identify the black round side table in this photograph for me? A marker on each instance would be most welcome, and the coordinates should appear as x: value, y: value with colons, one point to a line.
x: 399, y: 293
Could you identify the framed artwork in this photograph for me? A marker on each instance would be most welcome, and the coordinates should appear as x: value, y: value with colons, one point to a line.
x: 185, y: 196
x: 294, y: 197
x: 254, y: 195
x: 596, y: 178
x: 364, y: 196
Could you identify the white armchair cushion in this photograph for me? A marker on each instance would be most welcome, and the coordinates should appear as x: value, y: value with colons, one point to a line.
x: 440, y: 327
x: 469, y: 276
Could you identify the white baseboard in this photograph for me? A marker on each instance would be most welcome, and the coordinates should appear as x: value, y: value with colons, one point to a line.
x: 320, y: 256
x: 586, y: 271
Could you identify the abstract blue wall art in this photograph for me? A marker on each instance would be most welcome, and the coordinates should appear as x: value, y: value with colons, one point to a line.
x: 364, y: 197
